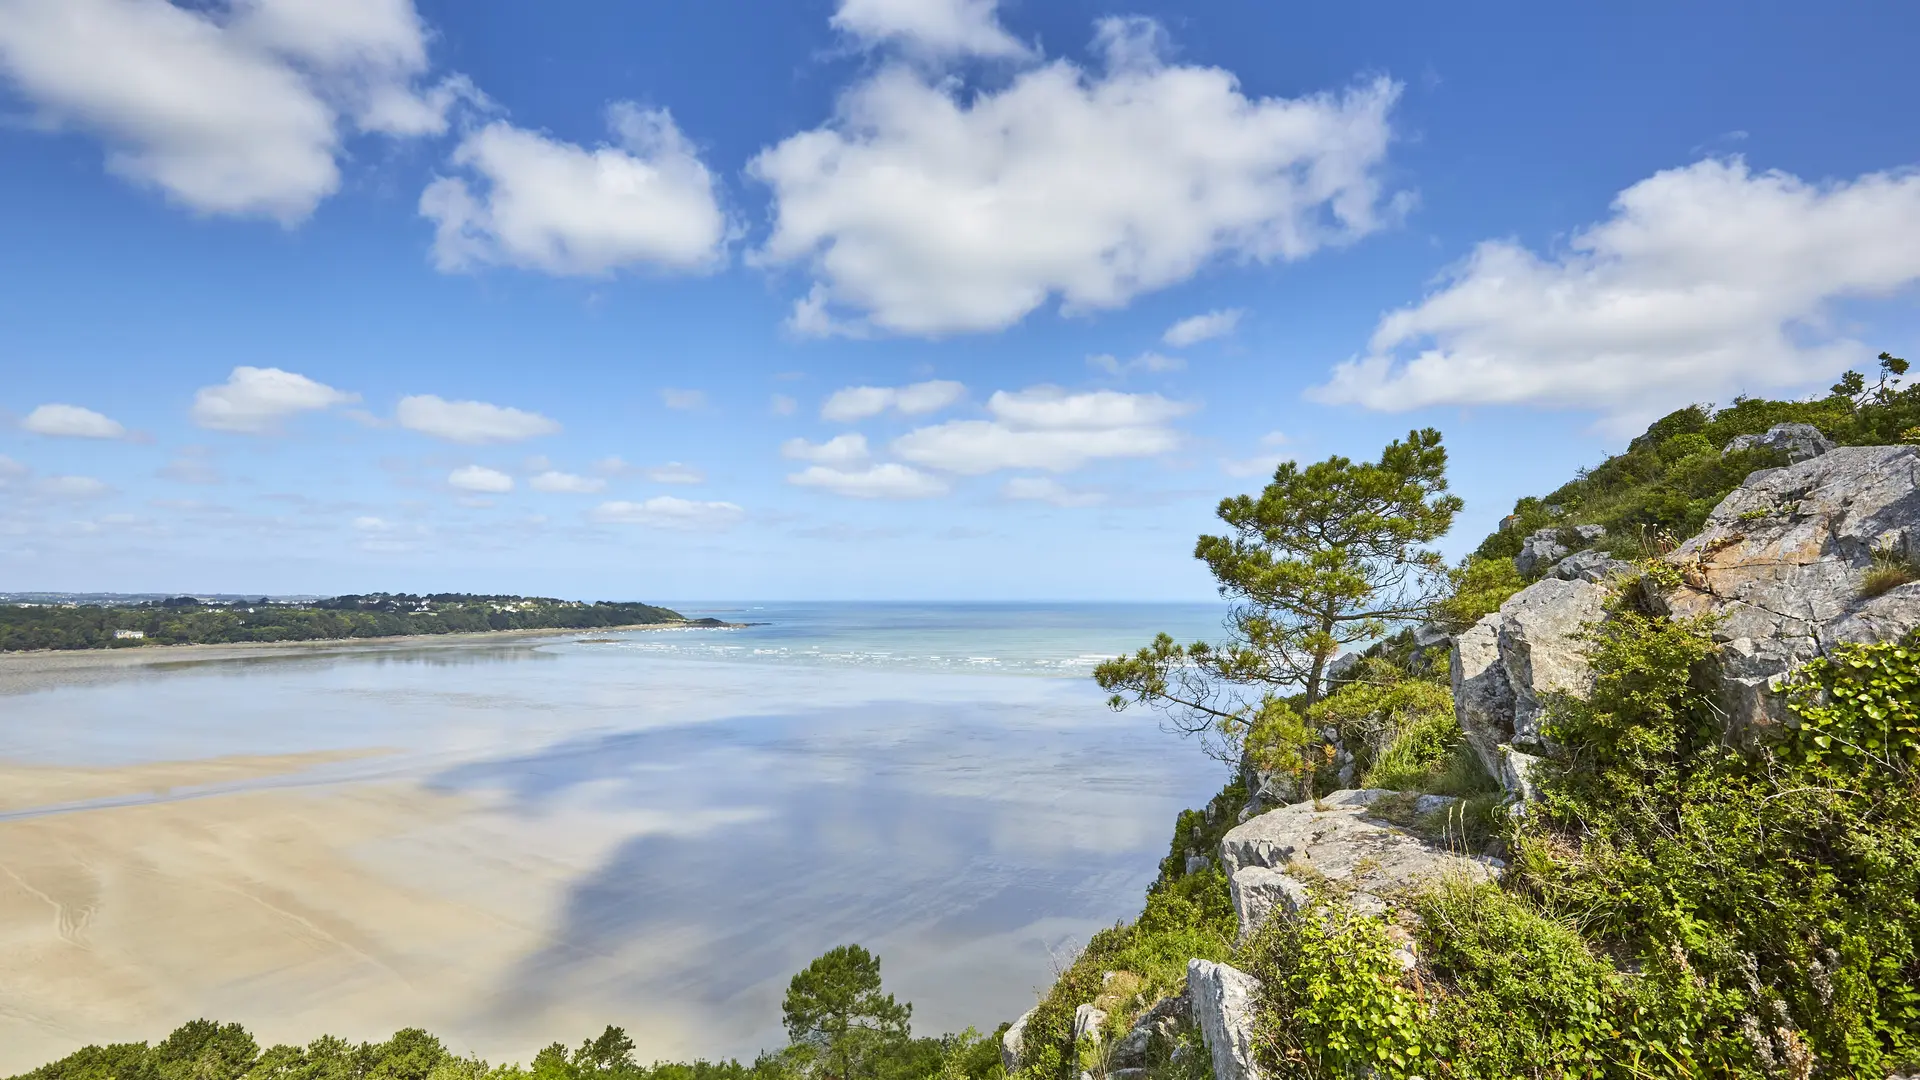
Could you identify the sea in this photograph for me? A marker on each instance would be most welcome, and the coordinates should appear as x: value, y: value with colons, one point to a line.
x: 941, y: 783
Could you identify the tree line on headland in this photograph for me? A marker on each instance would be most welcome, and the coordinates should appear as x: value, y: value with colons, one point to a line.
x: 186, y: 620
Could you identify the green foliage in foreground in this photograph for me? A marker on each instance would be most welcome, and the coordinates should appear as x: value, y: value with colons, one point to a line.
x: 185, y: 621
x: 1676, y: 908
x: 843, y: 1028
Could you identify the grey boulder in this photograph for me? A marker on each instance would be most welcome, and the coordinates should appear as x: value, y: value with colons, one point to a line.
x: 1595, y: 566
x: 1012, y: 1044
x: 1799, y: 442
x: 1087, y: 1022
x: 1223, y: 1000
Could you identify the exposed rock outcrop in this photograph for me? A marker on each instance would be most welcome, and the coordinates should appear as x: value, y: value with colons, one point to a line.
x: 1780, y: 565
x: 1595, y: 566
x: 1335, y: 839
x: 1087, y: 1022
x: 1223, y: 1003
x: 1012, y: 1044
x: 1259, y: 890
x: 1538, y: 551
x: 1505, y: 665
x: 1800, y: 442
x: 1161, y: 1021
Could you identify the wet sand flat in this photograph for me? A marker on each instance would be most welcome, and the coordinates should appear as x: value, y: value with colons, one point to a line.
x: 290, y: 911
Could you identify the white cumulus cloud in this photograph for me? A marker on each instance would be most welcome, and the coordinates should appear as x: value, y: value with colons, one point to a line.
x: 253, y: 401
x: 1048, y: 490
x: 470, y: 422
x: 1705, y: 280
x: 560, y: 483
x: 1045, y: 427
x: 932, y: 27
x: 669, y: 512
x: 847, y: 449
x: 531, y: 201
x: 860, y: 402
x: 922, y: 208
x: 888, y: 481
x: 73, y: 422
x: 227, y: 106
x: 480, y: 480
x: 1197, y: 328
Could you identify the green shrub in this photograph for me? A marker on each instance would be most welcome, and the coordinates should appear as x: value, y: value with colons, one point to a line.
x: 1369, y: 717
x: 1778, y: 889
x: 1480, y: 586
x: 1430, y: 755
x: 1332, y: 1001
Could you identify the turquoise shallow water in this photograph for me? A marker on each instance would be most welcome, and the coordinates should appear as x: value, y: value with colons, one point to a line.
x: 940, y: 782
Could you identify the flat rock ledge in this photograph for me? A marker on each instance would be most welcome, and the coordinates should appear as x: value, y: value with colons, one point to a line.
x: 1335, y: 840
x: 1223, y: 1000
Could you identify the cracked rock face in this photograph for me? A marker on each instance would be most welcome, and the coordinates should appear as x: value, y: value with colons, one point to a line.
x: 1337, y: 840
x: 1781, y: 561
x: 1258, y: 891
x: 1223, y: 1004
x: 1506, y: 665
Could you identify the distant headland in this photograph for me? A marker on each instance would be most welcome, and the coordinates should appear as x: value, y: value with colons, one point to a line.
x: 66, y: 621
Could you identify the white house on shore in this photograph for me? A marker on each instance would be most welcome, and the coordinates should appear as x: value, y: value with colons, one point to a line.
x: 123, y: 635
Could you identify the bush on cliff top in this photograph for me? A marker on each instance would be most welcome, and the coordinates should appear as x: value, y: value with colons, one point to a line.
x: 1670, y: 478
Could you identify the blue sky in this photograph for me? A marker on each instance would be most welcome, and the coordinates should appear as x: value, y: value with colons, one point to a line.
x: 887, y: 298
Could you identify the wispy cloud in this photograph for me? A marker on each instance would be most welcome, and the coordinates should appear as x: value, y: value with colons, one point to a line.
x: 860, y: 402
x: 471, y: 422
x: 888, y: 481
x: 669, y: 512
x: 1198, y: 328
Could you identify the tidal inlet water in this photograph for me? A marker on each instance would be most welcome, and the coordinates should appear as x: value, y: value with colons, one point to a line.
x: 516, y: 842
